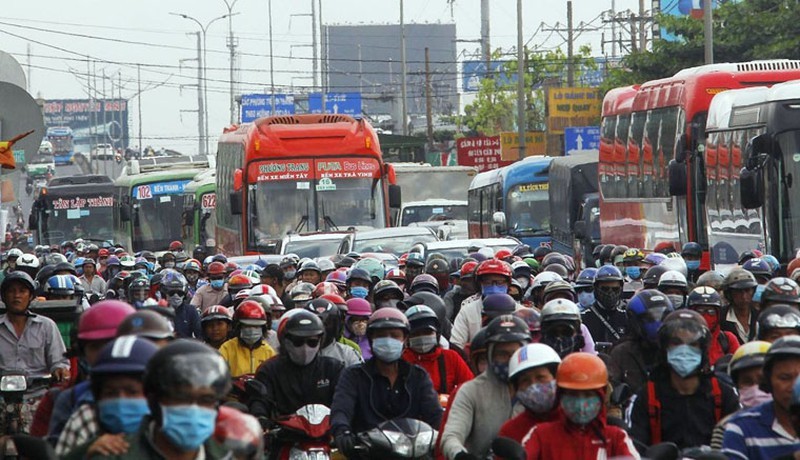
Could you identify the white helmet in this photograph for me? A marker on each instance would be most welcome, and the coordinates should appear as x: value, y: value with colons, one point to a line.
x: 677, y: 264
x: 530, y: 356
x: 673, y: 278
x: 561, y: 309
x: 13, y: 252
x: 28, y: 261
x: 544, y: 278
x: 486, y: 251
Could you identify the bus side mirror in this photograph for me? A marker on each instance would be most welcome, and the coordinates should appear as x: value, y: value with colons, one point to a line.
x: 125, y: 212
x: 499, y: 221
x: 237, y: 181
x: 677, y: 178
x: 394, y: 196
x: 751, y: 189
x: 236, y: 203
x: 188, y: 218
x: 579, y: 230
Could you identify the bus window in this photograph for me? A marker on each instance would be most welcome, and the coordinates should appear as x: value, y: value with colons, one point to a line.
x: 724, y: 189
x: 670, y: 120
x: 712, y: 205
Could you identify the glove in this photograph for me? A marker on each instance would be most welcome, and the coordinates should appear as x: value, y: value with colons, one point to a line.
x: 466, y: 456
x: 346, y: 443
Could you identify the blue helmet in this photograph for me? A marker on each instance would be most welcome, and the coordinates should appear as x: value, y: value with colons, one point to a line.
x: 128, y: 354
x: 758, y: 267
x: 647, y: 309
x: 586, y: 277
x: 60, y: 285
x: 608, y: 273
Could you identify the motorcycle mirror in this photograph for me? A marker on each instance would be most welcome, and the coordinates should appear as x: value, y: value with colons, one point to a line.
x: 508, y: 449
x: 663, y: 451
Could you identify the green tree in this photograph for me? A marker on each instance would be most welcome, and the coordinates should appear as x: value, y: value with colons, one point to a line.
x: 494, y: 109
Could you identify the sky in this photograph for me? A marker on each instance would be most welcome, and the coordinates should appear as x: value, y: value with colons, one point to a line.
x: 116, y: 36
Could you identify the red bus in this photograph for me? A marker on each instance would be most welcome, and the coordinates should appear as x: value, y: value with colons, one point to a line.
x: 662, y: 197
x: 299, y: 173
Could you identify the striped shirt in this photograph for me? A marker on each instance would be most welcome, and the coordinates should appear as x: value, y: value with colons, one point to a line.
x: 755, y: 433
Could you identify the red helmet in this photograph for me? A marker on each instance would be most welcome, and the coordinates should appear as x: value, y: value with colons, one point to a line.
x: 401, y: 262
x: 502, y: 254
x: 335, y: 298
x: 238, y: 282
x: 175, y: 246
x: 324, y: 288
x: 102, y: 320
x: 213, y: 312
x: 102, y: 253
x: 239, y: 432
x: 191, y: 264
x: 216, y: 268
x: 396, y: 275
x: 494, y: 267
x: 230, y: 267
x: 250, y: 313
x: 468, y: 269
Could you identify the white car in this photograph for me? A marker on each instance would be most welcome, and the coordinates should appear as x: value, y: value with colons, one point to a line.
x: 102, y: 152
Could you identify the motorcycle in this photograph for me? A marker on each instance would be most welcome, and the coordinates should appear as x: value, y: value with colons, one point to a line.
x: 238, y: 391
x: 304, y: 434
x: 398, y: 439
x: 20, y: 396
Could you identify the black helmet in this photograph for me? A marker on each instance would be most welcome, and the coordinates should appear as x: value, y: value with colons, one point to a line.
x: 686, y: 320
x: 358, y: 274
x: 777, y: 317
x: 507, y: 328
x: 330, y: 315
x: 147, y: 324
x: 704, y: 295
x: 691, y: 249
x: 559, y: 287
x: 557, y: 268
x: 172, y: 280
x: 781, y: 290
x: 495, y: 305
x: 309, y: 265
x: 185, y: 363
x: 785, y: 347
x: 436, y: 266
x: 745, y: 256
x: 19, y: 277
x: 711, y: 278
x: 605, y: 253
x: 653, y: 275
x: 65, y: 267
x: 301, y: 323
x: 541, y: 251
x: 554, y: 258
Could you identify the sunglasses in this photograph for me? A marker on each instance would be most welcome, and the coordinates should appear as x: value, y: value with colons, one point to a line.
x: 172, y: 293
x: 312, y: 342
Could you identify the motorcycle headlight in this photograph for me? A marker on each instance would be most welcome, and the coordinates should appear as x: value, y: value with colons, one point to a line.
x: 297, y: 454
x: 10, y: 383
x: 423, y: 442
x: 400, y: 443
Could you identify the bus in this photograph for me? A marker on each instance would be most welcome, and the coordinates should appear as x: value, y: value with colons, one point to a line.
x: 752, y: 153
x: 150, y: 199
x: 199, y: 215
x: 299, y: 173
x: 653, y: 192
x: 61, y: 140
x: 74, y: 207
x: 512, y: 201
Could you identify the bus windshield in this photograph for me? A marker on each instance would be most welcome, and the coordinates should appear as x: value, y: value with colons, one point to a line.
x: 71, y: 217
x: 527, y: 206
x: 790, y: 148
x: 431, y: 213
x: 158, y: 214
x: 61, y: 143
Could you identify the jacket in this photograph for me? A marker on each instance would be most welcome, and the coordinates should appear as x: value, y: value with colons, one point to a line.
x: 242, y: 359
x: 206, y: 296
x: 630, y: 362
x: 468, y: 321
x: 364, y: 398
x: 346, y: 354
x: 456, y: 370
x: 452, y: 302
x: 595, y: 318
x: 730, y: 326
x: 519, y: 426
x: 563, y: 439
x: 187, y: 322
x: 290, y: 387
x: 718, y: 339
x: 750, y: 435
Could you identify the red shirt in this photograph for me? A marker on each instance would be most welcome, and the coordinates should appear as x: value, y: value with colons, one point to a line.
x: 562, y: 439
x: 518, y: 426
x: 715, y: 350
x: 456, y: 369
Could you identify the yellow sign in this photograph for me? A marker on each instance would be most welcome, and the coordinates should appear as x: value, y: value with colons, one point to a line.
x: 535, y: 144
x: 534, y: 187
x: 572, y: 107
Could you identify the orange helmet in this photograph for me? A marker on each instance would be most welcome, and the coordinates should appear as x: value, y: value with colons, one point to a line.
x: 216, y: 268
x: 582, y: 371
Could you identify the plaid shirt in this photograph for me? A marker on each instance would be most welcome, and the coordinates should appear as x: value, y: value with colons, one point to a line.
x: 81, y: 428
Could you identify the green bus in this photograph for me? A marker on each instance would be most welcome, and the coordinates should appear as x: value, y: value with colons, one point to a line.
x: 150, y: 200
x: 199, y: 212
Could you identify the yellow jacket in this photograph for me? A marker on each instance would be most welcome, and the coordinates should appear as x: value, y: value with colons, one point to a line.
x: 243, y: 360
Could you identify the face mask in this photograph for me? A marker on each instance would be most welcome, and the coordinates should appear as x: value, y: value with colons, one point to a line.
x: 250, y: 335
x: 753, y: 396
x: 387, y: 349
x: 302, y: 355
x: 562, y: 345
x: 676, y: 300
x: 391, y: 303
x: 585, y: 299
x: 422, y: 344
x: 712, y: 319
x: 494, y: 289
x: 169, y: 264
x: 500, y: 370
x: 759, y: 291
x: 633, y: 273
x: 274, y: 325
x: 289, y: 274
x: 524, y: 281
x: 359, y: 292
x: 122, y: 415
x: 539, y: 397
x: 188, y: 427
x: 693, y: 265
x: 175, y: 300
x: 359, y: 328
x: 607, y: 298
x: 684, y: 359
x: 217, y: 284
x: 597, y: 263
x: 191, y: 277
x: 581, y: 410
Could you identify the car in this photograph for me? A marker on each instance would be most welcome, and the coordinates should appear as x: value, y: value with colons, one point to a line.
x: 102, y: 152
x: 312, y: 245
x: 432, y: 210
x: 393, y: 240
x: 453, y: 249
x: 446, y: 230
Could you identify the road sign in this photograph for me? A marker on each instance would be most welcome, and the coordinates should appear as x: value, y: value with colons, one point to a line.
x: 344, y: 103
x: 581, y: 139
x: 260, y: 105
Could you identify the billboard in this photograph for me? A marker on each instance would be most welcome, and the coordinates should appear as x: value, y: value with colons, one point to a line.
x: 472, y: 72
x: 260, y: 105
x: 693, y: 8
x: 98, y: 121
x: 572, y: 107
x: 535, y: 144
x: 344, y: 103
x: 482, y: 153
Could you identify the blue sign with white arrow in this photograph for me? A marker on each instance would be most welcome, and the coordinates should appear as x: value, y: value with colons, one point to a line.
x: 255, y: 106
x: 581, y: 139
x: 344, y: 103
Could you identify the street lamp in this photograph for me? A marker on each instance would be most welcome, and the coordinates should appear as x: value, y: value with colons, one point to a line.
x: 232, y: 47
x: 203, y: 29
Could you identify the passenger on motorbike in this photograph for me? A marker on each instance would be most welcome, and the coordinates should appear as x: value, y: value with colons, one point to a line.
x: 331, y: 317
x: 248, y: 349
x: 216, y: 321
x: 149, y: 325
x: 173, y: 290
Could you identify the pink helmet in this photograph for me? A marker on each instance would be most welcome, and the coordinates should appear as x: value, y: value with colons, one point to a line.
x: 338, y: 277
x: 358, y: 307
x: 101, y: 321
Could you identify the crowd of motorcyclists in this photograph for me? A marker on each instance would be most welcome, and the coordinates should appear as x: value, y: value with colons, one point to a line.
x: 194, y: 356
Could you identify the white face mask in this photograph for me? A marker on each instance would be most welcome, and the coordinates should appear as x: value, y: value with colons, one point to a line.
x: 422, y: 344
x: 250, y: 335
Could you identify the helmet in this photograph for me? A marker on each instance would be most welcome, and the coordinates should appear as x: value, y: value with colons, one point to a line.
x: 786, y: 346
x: 437, y: 266
x: 608, y: 273
x: 337, y: 300
x: 654, y: 258
x: 554, y: 258
x: 415, y: 259
x: 191, y: 265
x: 386, y: 287
x: 358, y: 307
x: 175, y: 246
x: 777, y: 317
x: 478, y: 344
x: 322, y: 289
x: 13, y: 252
x: 502, y: 254
x: 758, y: 267
x: 102, y: 320
x: 559, y: 287
x: 65, y: 267
x: 582, y: 371
x: 172, y: 281
x: 124, y: 355
x: 495, y: 305
x: 422, y: 317
x: 711, y: 278
x: 686, y: 320
x: 586, y: 277
x: 781, y: 290
x: 739, y: 278
x: 339, y: 278
x: 541, y: 251
x: 424, y: 282
x: 560, y: 310
x: 605, y: 253
x: 300, y: 323
x: 544, y: 278
x: 530, y: 356
x: 647, y: 309
x: 691, y: 249
x: 675, y: 263
x: 494, y: 267
x: 55, y: 258
x: 388, y: 318
x: 309, y: 265
x: 750, y: 354
x: 520, y: 268
x: 359, y: 274
x: 302, y: 291
x: 468, y: 269
x: 139, y: 284
x: 633, y: 255
x: 29, y: 261
x: 673, y: 279
x: 288, y: 261
x: 216, y: 269
x: 507, y: 328
x: 558, y: 269
x: 185, y: 363
x: 60, y: 285
x: 532, y: 318
x: 238, y: 283
x: 250, y: 313
x: 127, y: 262
x: 704, y: 295
x: 372, y: 266
x: 664, y: 247
x: 396, y: 275
x: 147, y: 324
x: 652, y: 276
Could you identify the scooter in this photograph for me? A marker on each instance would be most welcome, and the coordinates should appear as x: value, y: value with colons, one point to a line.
x: 20, y: 394
x: 398, y: 439
x: 304, y: 434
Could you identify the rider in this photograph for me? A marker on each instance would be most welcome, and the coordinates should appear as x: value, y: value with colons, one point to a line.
x: 692, y: 253
x: 248, y: 349
x: 383, y: 388
x: 191, y: 270
x: 674, y: 285
x: 92, y: 282
x: 215, y: 291
x: 387, y: 293
x: 705, y: 301
x: 138, y: 291
x: 606, y: 318
x: 355, y: 324
x: 465, y: 289
x: 331, y: 317
x: 216, y: 322
x: 561, y: 327
x: 173, y: 290
x: 739, y: 316
x: 149, y: 325
x: 777, y: 321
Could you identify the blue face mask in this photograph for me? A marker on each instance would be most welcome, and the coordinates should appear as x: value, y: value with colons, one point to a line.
x: 188, y: 427
x: 684, y: 359
x: 217, y: 284
x: 581, y: 410
x: 387, y: 349
x: 494, y: 289
x: 759, y: 291
x: 693, y: 265
x: 359, y: 292
x: 585, y: 299
x: 633, y: 273
x: 500, y: 370
x: 289, y: 274
x: 122, y: 415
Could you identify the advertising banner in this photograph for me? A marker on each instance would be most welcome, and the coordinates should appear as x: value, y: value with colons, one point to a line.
x: 482, y: 153
x: 535, y: 144
x: 572, y: 107
x: 101, y: 121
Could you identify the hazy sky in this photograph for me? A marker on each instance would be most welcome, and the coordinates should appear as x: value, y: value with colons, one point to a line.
x: 120, y: 35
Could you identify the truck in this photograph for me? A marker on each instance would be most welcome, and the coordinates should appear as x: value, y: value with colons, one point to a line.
x: 421, y: 182
x: 574, y: 206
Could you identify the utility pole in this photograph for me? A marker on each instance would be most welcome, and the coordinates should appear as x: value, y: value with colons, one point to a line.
x: 314, y: 50
x: 271, y: 62
x: 613, y: 29
x: 403, y: 70
x: 428, y: 113
x: 201, y: 130
x: 708, y: 32
x: 139, y: 104
x: 486, y: 46
x: 521, y: 122
x: 105, y: 123
x: 232, y: 48
x: 570, y: 47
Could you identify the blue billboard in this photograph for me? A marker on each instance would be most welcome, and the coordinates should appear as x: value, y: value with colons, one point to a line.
x: 693, y: 8
x: 472, y: 72
x: 344, y: 103
x: 255, y: 106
